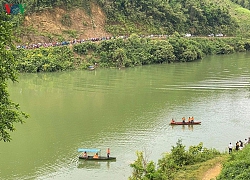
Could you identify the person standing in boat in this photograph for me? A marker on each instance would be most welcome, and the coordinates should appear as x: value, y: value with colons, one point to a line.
x: 108, y: 152
x: 183, y: 119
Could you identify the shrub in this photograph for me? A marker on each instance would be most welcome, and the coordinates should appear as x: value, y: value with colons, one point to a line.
x: 238, y: 166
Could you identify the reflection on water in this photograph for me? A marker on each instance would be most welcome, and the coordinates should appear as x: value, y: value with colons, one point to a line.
x: 94, y: 164
x: 190, y: 127
x: 127, y: 110
x: 184, y: 127
x: 89, y: 164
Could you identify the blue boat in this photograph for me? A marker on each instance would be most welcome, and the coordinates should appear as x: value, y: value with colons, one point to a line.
x: 89, y: 150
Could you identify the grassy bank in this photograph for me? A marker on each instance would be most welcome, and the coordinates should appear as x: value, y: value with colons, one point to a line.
x: 237, y: 166
x: 129, y: 52
x: 198, y: 171
x: 194, y: 163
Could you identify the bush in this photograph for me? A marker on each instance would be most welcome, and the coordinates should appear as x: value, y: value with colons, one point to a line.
x: 171, y: 162
x: 66, y: 20
x: 45, y: 59
x: 238, y: 166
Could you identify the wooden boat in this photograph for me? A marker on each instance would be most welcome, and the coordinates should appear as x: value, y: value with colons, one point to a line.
x: 91, y: 158
x: 185, y: 123
x: 100, y: 158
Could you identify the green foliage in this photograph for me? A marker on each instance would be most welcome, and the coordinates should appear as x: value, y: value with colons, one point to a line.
x: 243, y: 3
x: 136, y: 51
x: 85, y: 48
x: 196, y: 17
x: 142, y: 169
x: 224, y: 49
x: 129, y: 52
x: 172, y: 162
x: 238, y: 166
x: 71, y: 33
x: 185, y: 49
x: 10, y: 111
x: 66, y: 20
x: 45, y: 59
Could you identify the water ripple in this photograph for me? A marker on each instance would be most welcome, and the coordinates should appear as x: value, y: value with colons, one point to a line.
x: 212, y: 84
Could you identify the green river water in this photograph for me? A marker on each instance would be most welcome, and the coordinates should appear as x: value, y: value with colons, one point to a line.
x: 127, y: 110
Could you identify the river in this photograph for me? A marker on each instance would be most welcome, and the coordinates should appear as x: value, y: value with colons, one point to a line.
x: 127, y: 110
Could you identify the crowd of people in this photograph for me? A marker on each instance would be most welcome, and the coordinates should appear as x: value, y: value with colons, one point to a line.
x: 78, y: 41
x: 239, y: 145
x: 53, y: 44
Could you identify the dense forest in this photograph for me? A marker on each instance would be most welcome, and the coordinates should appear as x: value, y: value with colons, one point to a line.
x: 243, y: 3
x: 149, y: 16
x: 196, y: 17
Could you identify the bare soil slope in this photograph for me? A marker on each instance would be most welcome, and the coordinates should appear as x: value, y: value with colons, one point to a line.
x: 47, y: 25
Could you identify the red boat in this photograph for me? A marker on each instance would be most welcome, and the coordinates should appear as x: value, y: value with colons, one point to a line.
x: 185, y: 123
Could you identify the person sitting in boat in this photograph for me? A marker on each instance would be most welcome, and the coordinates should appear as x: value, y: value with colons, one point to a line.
x: 189, y: 119
x: 183, y: 119
x: 95, y: 156
x: 192, y: 119
x: 85, y: 155
x: 172, y: 120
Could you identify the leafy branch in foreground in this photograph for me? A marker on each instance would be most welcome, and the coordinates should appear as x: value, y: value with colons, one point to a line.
x: 9, y: 111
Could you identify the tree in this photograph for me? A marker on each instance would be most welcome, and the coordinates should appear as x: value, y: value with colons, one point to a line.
x: 9, y: 111
x: 142, y: 169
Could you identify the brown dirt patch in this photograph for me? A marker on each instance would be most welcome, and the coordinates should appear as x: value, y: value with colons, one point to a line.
x: 213, y: 172
x: 48, y: 22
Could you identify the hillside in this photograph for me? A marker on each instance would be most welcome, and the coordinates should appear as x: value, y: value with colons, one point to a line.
x: 58, y: 23
x: 48, y: 25
x: 242, y: 15
x: 60, y: 20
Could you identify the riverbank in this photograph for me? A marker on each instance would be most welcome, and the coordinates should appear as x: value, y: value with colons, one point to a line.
x: 204, y: 171
x: 227, y: 166
x: 125, y: 52
x: 221, y: 166
x: 213, y: 172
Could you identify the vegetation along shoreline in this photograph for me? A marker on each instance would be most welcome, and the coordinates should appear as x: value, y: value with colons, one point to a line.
x: 128, y: 52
